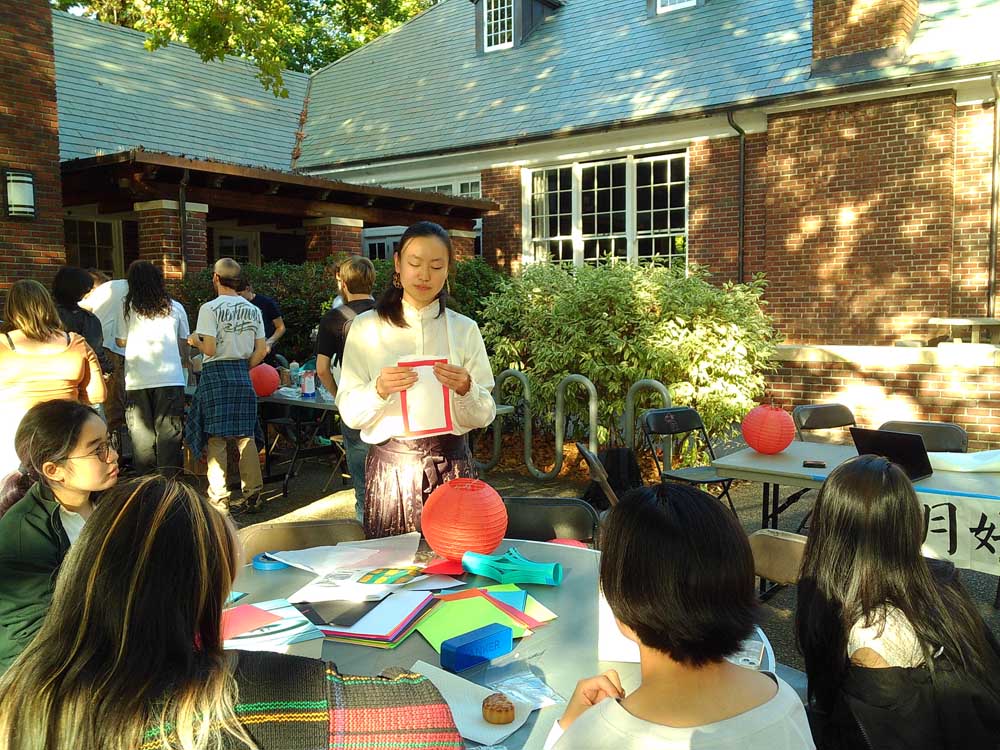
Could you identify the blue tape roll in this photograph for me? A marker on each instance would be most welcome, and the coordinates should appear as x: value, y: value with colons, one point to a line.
x: 263, y: 562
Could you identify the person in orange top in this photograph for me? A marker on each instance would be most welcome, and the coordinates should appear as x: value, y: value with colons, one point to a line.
x: 39, y: 362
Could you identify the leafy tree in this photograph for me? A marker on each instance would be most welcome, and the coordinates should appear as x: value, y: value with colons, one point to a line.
x: 275, y: 35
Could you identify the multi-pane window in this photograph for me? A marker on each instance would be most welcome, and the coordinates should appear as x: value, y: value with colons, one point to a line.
x: 498, y: 18
x: 661, y: 209
x: 469, y: 189
x: 662, y: 6
x: 602, y: 210
x: 631, y: 209
x: 552, y: 214
x: 380, y: 249
x: 444, y: 189
x: 90, y: 244
x: 239, y: 247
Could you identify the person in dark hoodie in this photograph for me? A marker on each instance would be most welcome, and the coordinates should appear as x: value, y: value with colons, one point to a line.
x: 896, y: 654
x: 70, y: 285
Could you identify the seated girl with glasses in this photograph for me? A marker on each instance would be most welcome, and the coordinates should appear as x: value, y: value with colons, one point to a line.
x: 65, y: 457
x: 130, y: 655
x: 678, y: 574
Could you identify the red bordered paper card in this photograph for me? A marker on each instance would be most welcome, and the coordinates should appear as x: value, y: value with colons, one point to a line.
x: 426, y: 404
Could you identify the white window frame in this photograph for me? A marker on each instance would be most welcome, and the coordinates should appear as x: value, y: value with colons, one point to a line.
x: 665, y: 6
x: 498, y: 7
x: 252, y: 237
x: 117, y: 241
x: 529, y: 250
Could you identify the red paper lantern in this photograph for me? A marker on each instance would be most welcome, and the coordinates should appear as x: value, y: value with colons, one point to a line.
x: 463, y: 515
x: 265, y: 379
x: 768, y: 429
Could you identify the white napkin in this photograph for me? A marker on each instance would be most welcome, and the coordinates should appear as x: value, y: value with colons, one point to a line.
x: 465, y: 699
x: 987, y: 461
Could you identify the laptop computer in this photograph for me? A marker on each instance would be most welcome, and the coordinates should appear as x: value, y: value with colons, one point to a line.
x: 902, y: 448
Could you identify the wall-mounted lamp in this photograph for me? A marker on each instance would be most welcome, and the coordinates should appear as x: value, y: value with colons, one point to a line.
x: 19, y: 194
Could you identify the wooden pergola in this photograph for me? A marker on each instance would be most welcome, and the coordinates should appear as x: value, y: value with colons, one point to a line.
x: 251, y: 195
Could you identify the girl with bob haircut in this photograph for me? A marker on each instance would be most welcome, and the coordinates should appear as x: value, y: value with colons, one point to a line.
x: 39, y: 361
x: 65, y: 459
x: 131, y: 653
x: 411, y: 322
x: 896, y: 654
x: 678, y: 575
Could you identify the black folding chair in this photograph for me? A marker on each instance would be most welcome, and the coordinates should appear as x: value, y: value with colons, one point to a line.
x: 684, y: 421
x: 939, y: 437
x: 540, y: 519
x: 812, y: 417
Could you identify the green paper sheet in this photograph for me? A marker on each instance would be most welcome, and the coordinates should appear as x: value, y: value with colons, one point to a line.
x: 533, y: 609
x: 451, y: 618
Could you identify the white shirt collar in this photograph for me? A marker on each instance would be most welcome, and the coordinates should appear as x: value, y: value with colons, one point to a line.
x: 412, y: 314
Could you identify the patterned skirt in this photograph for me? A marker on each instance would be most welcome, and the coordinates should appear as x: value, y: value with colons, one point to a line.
x: 401, y: 474
x: 224, y: 405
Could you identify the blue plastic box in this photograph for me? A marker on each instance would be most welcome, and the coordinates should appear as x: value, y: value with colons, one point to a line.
x: 476, y: 646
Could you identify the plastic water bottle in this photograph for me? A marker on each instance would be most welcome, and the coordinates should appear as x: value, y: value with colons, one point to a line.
x: 308, y: 384
x: 293, y: 372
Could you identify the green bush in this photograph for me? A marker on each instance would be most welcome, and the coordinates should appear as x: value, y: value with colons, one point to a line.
x: 305, y: 291
x: 617, y: 324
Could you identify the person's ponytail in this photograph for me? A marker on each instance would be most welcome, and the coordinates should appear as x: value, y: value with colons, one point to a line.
x: 15, y: 486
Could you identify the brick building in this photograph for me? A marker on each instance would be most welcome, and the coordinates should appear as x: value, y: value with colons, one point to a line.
x: 843, y: 147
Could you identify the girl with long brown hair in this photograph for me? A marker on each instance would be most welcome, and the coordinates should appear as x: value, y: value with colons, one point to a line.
x: 130, y: 656
x: 39, y: 361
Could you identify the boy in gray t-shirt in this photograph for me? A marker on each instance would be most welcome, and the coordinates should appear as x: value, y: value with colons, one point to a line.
x: 230, y: 335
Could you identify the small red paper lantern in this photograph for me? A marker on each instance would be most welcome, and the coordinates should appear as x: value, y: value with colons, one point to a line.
x: 265, y: 379
x: 768, y: 429
x: 463, y: 515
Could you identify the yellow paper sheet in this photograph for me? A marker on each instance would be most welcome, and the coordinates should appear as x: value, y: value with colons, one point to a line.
x: 451, y: 618
x: 533, y: 608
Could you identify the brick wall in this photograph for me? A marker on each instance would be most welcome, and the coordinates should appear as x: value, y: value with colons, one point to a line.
x: 326, y: 239
x: 844, y: 27
x: 970, y: 263
x: 502, y: 228
x: 713, y: 200
x: 859, y: 219
x: 969, y: 396
x: 29, y: 139
x: 463, y: 247
x: 160, y: 240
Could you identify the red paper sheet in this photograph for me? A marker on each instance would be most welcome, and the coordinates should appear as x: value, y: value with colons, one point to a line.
x: 441, y: 567
x: 448, y: 424
x: 245, y: 618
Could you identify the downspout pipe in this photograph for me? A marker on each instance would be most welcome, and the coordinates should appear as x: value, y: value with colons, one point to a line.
x: 994, y: 199
x: 182, y: 217
x: 740, y: 250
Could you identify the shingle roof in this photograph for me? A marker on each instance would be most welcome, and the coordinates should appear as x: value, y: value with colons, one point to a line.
x: 114, y: 95
x: 424, y: 89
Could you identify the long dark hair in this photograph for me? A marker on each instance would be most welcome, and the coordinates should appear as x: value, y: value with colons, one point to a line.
x: 47, y: 432
x: 132, y: 643
x: 390, y: 303
x: 862, y: 555
x: 147, y: 292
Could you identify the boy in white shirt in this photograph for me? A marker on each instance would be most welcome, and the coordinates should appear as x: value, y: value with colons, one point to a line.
x: 678, y: 574
x: 230, y: 335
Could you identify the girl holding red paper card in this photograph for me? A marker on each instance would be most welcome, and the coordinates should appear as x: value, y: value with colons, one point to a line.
x: 415, y: 380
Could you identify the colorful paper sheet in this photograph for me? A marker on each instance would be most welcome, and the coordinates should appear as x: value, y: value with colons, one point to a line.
x: 533, y: 608
x: 440, y: 566
x: 458, y: 616
x: 388, y: 620
x: 426, y: 404
x: 243, y: 619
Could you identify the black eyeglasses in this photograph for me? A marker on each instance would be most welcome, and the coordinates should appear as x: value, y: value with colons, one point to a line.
x: 101, y: 452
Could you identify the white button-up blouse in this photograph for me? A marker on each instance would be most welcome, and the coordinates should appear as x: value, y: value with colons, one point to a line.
x: 373, y: 343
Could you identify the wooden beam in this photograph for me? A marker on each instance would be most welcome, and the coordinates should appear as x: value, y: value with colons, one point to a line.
x: 310, y: 209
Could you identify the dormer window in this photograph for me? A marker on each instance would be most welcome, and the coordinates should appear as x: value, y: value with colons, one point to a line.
x: 665, y: 6
x: 498, y: 21
x: 504, y: 24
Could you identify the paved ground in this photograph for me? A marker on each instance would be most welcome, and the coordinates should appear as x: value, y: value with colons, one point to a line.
x: 307, y: 498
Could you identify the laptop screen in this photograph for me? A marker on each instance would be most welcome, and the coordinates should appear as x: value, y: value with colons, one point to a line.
x: 902, y: 448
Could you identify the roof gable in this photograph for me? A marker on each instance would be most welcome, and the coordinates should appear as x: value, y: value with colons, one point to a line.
x: 114, y: 95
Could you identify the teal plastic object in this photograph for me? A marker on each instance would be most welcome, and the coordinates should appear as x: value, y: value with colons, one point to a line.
x: 512, y: 567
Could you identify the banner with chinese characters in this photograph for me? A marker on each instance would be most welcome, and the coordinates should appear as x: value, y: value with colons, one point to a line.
x: 964, y: 530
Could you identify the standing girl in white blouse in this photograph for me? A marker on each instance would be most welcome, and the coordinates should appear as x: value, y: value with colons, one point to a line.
x: 411, y: 321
